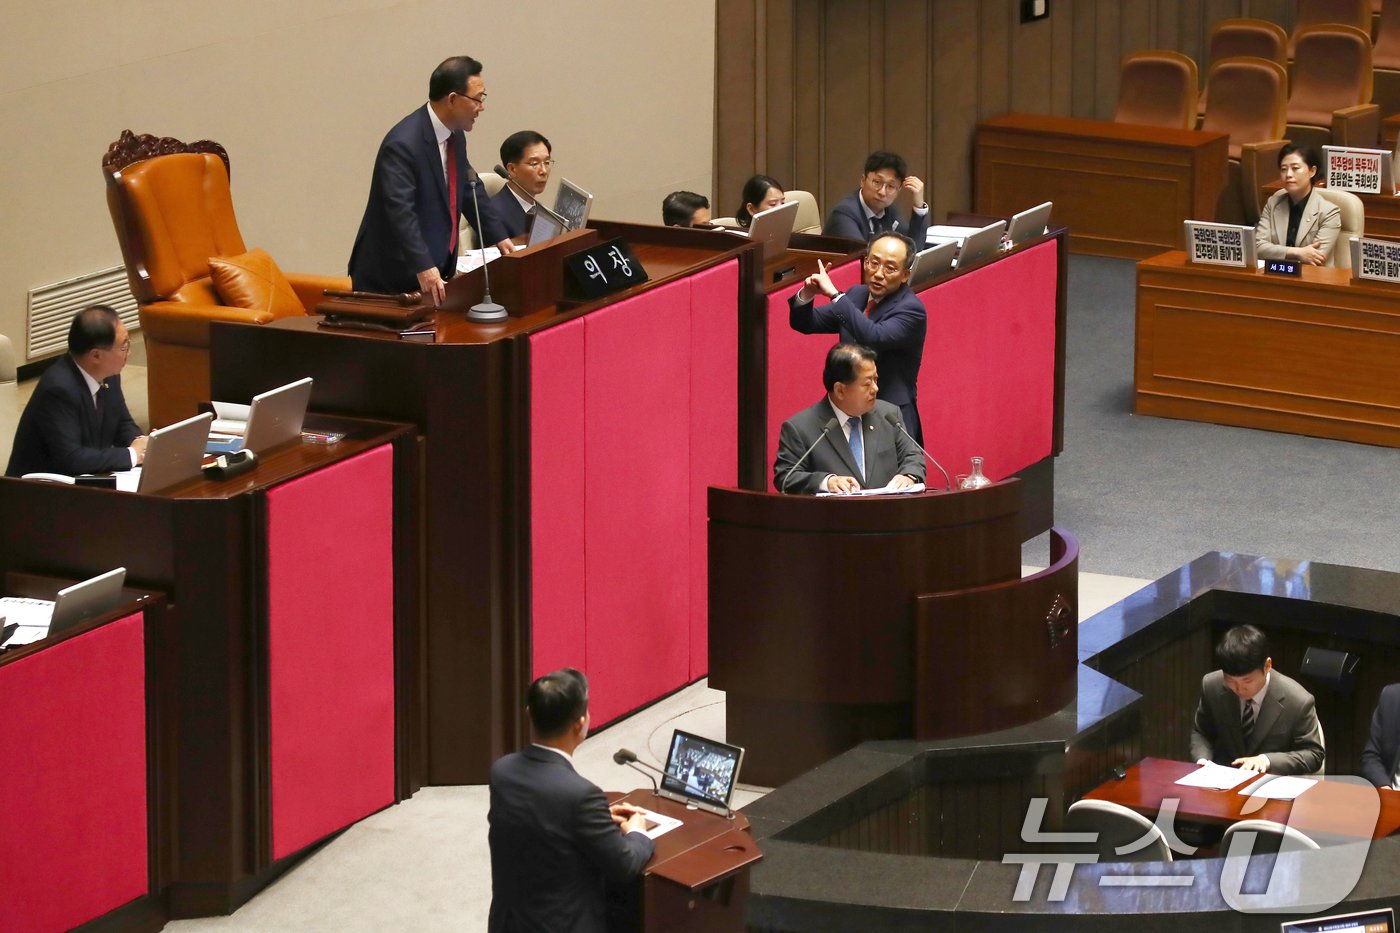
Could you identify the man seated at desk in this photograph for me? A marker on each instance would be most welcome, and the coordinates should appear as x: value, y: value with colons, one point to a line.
x: 1380, y: 759
x: 882, y: 314
x: 867, y: 210
x: 555, y: 842
x: 1295, y: 223
x: 845, y: 442
x: 685, y: 209
x: 77, y: 420
x: 528, y: 159
x: 1251, y: 716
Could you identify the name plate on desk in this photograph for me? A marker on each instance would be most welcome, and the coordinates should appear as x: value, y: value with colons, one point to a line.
x: 1366, y: 171
x: 1220, y: 244
x: 1376, y: 260
x: 1283, y: 267
x: 600, y: 270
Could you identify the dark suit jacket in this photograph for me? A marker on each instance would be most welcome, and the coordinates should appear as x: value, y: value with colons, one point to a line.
x: 895, y: 330
x: 1285, y: 729
x: 60, y: 431
x: 847, y: 219
x: 888, y: 453
x: 512, y: 216
x: 407, y: 225
x: 554, y: 846
x: 1382, y: 752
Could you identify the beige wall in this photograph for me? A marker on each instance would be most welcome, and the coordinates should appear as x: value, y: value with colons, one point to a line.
x: 301, y: 93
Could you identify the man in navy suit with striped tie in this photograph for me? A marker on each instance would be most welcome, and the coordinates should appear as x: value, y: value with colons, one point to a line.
x: 870, y: 208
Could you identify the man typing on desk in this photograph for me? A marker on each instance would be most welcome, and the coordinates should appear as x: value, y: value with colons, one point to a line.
x: 77, y: 420
x: 555, y: 842
x: 849, y: 440
x: 1251, y: 716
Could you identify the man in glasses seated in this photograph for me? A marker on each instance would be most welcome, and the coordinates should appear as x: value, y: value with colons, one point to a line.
x: 870, y: 208
x: 528, y: 159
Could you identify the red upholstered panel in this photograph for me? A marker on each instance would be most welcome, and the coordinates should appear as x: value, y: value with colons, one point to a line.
x: 637, y: 467
x: 987, y: 386
x: 73, y: 751
x: 795, y: 360
x: 331, y: 648
x: 714, y: 415
x: 557, y: 582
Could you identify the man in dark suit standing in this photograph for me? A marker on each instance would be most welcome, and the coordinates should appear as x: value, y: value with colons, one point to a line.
x: 882, y: 314
x: 866, y: 211
x: 1251, y: 716
x: 847, y: 438
x: 77, y: 420
x: 1380, y: 759
x: 528, y: 159
x: 555, y: 842
x: 408, y: 236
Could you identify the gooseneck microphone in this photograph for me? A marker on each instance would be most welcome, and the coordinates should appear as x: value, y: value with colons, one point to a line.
x: 629, y: 758
x: 500, y: 169
x: 830, y: 423
x: 486, y: 311
x: 893, y: 418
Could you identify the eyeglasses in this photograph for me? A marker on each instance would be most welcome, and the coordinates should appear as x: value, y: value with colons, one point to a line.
x: 123, y: 347
x: 879, y: 185
x: 540, y: 163
x: 480, y: 99
x: 892, y: 268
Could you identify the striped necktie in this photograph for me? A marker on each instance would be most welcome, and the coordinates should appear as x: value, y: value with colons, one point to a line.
x: 1247, y: 719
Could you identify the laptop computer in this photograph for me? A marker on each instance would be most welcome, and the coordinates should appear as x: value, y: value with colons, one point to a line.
x: 174, y: 453
x: 701, y: 772
x: 773, y: 228
x: 545, y: 225
x: 1029, y: 224
x: 978, y: 246
x: 275, y: 417
x: 573, y: 204
x: 34, y: 619
x: 931, y: 263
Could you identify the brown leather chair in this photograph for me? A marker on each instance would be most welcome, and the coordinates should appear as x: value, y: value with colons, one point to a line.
x: 1332, y: 81
x: 173, y: 212
x: 1312, y: 13
x: 1157, y: 87
x: 1254, y: 38
x: 1385, y: 59
x: 1353, y: 213
x: 1248, y: 99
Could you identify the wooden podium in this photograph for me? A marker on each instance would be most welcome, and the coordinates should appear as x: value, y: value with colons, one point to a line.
x: 698, y: 879
x: 840, y: 620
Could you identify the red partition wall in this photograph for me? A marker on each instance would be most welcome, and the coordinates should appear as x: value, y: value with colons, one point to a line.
x: 330, y: 648
x: 987, y: 385
x: 73, y: 746
x: 633, y: 415
x: 795, y: 360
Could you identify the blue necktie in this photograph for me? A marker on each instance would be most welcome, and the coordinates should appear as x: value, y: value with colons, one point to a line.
x: 857, y: 447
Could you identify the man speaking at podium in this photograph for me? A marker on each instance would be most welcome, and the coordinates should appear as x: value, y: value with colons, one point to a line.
x: 408, y: 236
x: 555, y: 842
x: 849, y: 440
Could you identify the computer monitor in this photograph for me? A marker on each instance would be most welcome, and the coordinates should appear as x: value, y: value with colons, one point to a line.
x: 545, y: 225
x: 701, y: 772
x: 1370, y: 921
x: 85, y: 600
x: 573, y: 204
x: 174, y: 453
x: 978, y: 246
x: 932, y: 262
x: 773, y: 228
x: 1029, y: 224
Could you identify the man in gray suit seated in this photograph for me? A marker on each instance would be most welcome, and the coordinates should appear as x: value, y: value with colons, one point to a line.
x: 1251, y: 716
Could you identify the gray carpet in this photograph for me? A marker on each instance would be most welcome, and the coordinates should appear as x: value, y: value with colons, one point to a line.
x: 1144, y: 495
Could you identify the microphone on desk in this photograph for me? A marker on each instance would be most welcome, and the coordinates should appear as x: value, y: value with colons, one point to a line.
x: 893, y: 418
x: 485, y: 311
x: 500, y: 169
x: 629, y: 758
x: 830, y: 423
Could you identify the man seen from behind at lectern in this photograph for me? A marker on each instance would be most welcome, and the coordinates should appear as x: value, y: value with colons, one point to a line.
x: 555, y: 842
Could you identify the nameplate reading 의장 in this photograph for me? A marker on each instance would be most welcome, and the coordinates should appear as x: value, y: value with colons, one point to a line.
x: 603, y: 269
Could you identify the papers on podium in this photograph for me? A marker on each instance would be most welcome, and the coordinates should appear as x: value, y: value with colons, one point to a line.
x: 882, y: 491
x: 1277, y: 787
x: 658, y: 824
x: 1216, y: 777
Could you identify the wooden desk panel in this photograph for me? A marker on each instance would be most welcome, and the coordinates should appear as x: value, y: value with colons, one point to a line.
x: 1313, y: 356
x: 1327, y: 808
x: 1121, y: 190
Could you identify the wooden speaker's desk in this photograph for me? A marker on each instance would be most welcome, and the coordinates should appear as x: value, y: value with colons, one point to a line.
x: 280, y: 700
x: 1309, y: 355
x: 1326, y: 808
x: 1122, y: 190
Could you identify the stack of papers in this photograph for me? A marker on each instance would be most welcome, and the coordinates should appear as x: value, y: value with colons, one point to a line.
x: 882, y: 491
x: 1217, y: 777
x: 31, y: 615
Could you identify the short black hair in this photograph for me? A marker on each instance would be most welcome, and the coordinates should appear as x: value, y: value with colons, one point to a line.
x: 678, y: 208
x: 556, y: 701
x: 754, y: 189
x: 881, y: 159
x: 513, y: 149
x: 843, y: 363
x: 94, y: 327
x: 894, y: 235
x: 1242, y: 650
x: 1307, y: 153
x: 452, y: 75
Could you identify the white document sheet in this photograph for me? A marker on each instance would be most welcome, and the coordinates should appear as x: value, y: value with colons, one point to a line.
x: 882, y: 491
x: 1217, y: 777
x: 1270, y: 787
x: 658, y: 824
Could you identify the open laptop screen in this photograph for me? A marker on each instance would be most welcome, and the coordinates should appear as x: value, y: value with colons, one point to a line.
x: 700, y: 770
